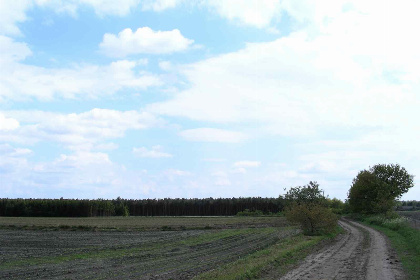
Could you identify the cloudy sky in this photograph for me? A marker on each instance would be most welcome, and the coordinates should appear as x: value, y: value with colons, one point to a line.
x: 221, y: 98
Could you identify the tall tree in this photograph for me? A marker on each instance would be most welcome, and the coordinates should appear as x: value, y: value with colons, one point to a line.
x: 375, y: 190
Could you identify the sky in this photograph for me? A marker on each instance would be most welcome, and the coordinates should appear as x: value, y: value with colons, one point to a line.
x: 205, y: 98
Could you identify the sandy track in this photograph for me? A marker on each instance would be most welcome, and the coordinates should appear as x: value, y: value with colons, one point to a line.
x: 360, y: 253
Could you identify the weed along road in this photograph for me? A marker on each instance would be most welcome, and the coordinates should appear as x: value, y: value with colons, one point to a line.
x: 360, y: 253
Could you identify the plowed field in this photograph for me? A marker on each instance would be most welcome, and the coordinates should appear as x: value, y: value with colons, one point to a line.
x: 151, y: 254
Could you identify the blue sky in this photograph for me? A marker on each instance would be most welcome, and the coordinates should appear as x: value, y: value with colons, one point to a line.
x: 174, y: 98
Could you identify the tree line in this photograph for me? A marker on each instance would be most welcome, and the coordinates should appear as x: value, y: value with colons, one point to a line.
x: 137, y: 207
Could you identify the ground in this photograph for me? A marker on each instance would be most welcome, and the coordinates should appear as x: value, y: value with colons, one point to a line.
x: 360, y: 253
x: 150, y: 249
x: 188, y: 247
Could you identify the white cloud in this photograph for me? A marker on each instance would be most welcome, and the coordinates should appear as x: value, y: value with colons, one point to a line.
x: 11, y: 51
x: 19, y: 81
x: 12, y: 12
x: 76, y: 131
x: 213, y: 135
x: 165, y: 65
x: 13, y: 162
x: 247, y: 163
x: 159, y: 5
x: 81, y: 159
x: 101, y: 7
x: 258, y: 13
x: 8, y: 123
x: 177, y: 172
x: 305, y: 82
x: 144, y: 40
x: 155, y: 152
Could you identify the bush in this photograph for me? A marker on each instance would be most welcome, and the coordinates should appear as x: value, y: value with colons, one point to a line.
x: 308, y: 207
x: 393, y: 222
x: 314, y: 219
x: 247, y: 212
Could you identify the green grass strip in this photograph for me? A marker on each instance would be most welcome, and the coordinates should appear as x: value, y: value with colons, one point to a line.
x: 406, y: 241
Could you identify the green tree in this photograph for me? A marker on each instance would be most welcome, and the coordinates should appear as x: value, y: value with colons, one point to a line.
x: 308, y: 207
x: 375, y: 190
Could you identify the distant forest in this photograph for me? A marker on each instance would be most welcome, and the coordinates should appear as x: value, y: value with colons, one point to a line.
x: 157, y: 207
x: 133, y: 207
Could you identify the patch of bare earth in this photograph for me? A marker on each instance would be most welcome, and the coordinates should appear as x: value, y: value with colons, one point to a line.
x: 27, y: 254
x: 360, y: 253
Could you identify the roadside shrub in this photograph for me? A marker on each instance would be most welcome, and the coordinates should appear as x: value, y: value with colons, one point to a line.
x: 308, y: 207
x: 248, y: 212
x: 314, y: 219
x: 394, y: 223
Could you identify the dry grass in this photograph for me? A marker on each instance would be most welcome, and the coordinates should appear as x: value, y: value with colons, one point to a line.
x: 141, y: 223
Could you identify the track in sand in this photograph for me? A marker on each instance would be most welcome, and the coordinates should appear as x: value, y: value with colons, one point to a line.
x: 360, y: 253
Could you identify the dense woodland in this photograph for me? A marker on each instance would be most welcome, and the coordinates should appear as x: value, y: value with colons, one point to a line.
x: 153, y: 207
x: 134, y: 207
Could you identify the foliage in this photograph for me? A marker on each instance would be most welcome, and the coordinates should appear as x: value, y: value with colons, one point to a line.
x: 247, y: 212
x: 313, y: 218
x: 306, y: 194
x: 137, y: 207
x: 307, y: 206
x: 337, y: 206
x: 374, y: 191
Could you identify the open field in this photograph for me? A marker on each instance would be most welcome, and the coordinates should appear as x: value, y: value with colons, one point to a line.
x: 141, y: 223
x: 410, y: 214
x: 51, y: 253
x: 413, y: 216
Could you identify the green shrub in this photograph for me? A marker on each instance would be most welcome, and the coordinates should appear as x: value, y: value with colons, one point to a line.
x: 313, y: 218
x: 248, y: 212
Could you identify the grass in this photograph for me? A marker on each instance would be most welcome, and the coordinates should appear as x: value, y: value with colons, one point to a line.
x: 139, y: 223
x: 278, y: 259
x: 404, y: 239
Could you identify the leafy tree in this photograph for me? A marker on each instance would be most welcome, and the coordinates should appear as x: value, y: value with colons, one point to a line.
x: 307, y: 206
x: 374, y: 191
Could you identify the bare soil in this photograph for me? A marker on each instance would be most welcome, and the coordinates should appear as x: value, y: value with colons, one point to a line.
x: 360, y: 253
x: 46, y: 254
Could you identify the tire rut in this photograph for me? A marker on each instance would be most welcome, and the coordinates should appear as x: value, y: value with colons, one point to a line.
x: 360, y: 253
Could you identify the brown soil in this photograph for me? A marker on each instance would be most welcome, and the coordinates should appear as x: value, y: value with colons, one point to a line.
x: 28, y: 254
x: 360, y: 253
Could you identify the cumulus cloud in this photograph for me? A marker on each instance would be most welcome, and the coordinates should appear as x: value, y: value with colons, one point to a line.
x: 19, y: 81
x: 213, y: 135
x: 299, y: 83
x: 155, y: 152
x: 159, y: 5
x: 8, y: 123
x: 12, y: 12
x: 77, y: 131
x: 100, y: 7
x: 144, y: 40
x: 258, y: 13
x: 165, y: 65
x: 12, y: 51
x: 13, y: 159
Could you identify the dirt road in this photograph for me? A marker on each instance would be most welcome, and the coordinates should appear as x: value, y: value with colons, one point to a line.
x: 360, y: 253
